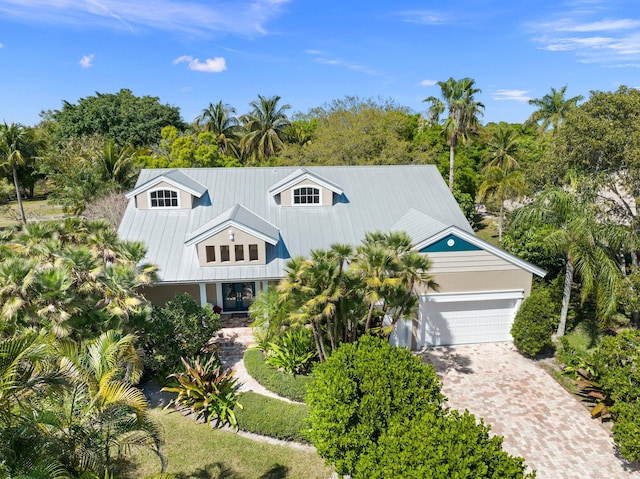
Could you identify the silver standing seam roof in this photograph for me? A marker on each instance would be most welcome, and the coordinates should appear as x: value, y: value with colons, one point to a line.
x: 414, y: 198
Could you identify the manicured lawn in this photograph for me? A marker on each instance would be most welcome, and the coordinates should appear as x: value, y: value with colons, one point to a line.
x: 196, y: 451
x: 33, y: 209
x: 488, y: 230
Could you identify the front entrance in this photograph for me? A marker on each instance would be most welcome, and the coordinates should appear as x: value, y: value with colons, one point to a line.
x: 238, y: 296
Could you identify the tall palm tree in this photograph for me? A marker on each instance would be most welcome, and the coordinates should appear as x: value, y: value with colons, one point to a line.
x: 571, y: 228
x: 117, y: 164
x: 266, y: 128
x: 503, y: 148
x: 17, y: 144
x: 458, y: 96
x: 220, y: 120
x: 500, y: 185
x: 552, y: 108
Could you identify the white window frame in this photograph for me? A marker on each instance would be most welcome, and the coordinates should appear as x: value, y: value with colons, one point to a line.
x: 297, y: 187
x: 173, y: 190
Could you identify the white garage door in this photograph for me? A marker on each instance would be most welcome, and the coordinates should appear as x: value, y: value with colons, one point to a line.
x: 449, y: 319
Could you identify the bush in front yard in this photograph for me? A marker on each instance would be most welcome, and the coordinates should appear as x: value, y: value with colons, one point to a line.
x: 272, y: 417
x: 283, y: 384
x: 535, y: 323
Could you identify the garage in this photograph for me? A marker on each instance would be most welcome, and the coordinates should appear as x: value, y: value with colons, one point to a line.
x: 451, y: 319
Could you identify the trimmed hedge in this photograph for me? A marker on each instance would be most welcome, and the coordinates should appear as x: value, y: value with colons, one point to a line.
x: 283, y: 384
x: 535, y: 323
x: 272, y: 417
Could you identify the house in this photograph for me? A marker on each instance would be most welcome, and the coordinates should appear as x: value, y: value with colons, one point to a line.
x: 224, y: 234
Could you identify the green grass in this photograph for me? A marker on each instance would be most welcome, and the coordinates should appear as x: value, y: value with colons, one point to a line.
x: 33, y: 210
x: 488, y: 230
x: 197, y: 451
x: 584, y: 337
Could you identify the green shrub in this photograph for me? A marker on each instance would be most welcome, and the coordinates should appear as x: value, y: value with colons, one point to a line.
x: 283, y: 384
x: 292, y: 352
x: 272, y: 417
x: 206, y: 390
x: 180, y: 328
x: 359, y: 391
x: 438, y: 446
x: 535, y: 323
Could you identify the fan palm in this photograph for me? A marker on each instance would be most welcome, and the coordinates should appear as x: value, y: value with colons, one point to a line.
x: 266, y: 128
x: 458, y: 96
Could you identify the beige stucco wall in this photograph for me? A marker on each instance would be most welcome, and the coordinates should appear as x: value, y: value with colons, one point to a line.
x: 160, y: 294
x: 326, y: 195
x: 142, y: 199
x: 240, y: 238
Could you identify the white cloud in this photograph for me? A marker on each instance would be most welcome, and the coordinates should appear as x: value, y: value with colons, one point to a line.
x: 349, y: 65
x: 243, y: 17
x: 1, y: 45
x: 314, y: 52
x: 210, y: 65
x: 424, y: 17
x: 511, y: 95
x: 86, y: 61
x: 602, y: 26
x: 428, y: 82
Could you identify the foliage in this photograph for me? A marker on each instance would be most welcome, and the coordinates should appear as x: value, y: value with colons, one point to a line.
x: 272, y: 417
x: 292, y: 352
x: 270, y: 316
x: 220, y: 120
x: 439, y: 446
x: 186, y: 150
x: 73, y: 278
x: 122, y: 117
x: 618, y: 364
x: 180, y: 328
x: 553, y: 108
x: 206, y: 390
x: 535, y: 322
x: 281, y: 383
x: 359, y: 392
x: 265, y: 128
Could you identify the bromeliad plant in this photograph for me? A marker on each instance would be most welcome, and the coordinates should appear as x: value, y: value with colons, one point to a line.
x: 590, y: 390
x: 206, y: 389
x: 293, y: 352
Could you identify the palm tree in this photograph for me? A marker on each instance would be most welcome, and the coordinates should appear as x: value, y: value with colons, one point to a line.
x: 116, y: 164
x: 503, y: 148
x: 552, y: 108
x: 266, y: 128
x: 462, y: 119
x: 501, y: 185
x: 17, y: 143
x: 571, y: 229
x: 220, y: 120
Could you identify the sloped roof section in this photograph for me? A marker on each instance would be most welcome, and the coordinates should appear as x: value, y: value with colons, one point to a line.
x: 418, y: 225
x: 302, y: 174
x: 239, y: 217
x: 174, y: 177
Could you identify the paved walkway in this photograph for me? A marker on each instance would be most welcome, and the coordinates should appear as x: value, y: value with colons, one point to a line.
x: 539, y: 420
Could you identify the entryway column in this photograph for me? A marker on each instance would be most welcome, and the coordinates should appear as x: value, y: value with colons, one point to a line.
x: 203, y: 293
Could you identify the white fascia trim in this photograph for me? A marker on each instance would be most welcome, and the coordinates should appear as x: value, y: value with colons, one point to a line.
x: 480, y: 243
x: 306, y: 177
x: 159, y: 179
x: 476, y: 296
x: 230, y: 224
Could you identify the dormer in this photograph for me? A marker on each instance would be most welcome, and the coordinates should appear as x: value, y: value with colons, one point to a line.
x: 236, y: 237
x: 305, y: 188
x: 172, y: 190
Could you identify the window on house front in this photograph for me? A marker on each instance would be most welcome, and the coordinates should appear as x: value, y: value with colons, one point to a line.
x: 211, y: 254
x: 306, y: 195
x: 224, y: 253
x: 239, y: 250
x: 163, y: 199
x: 253, y: 252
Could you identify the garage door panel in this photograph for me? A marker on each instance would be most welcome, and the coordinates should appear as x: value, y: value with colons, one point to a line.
x: 466, y: 322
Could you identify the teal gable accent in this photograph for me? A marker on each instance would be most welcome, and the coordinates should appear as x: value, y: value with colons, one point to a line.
x: 450, y: 243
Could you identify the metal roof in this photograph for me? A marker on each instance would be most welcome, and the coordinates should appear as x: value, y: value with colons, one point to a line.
x: 175, y: 178
x: 303, y: 174
x: 375, y: 198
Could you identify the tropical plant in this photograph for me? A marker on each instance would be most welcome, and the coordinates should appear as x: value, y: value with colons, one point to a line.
x: 17, y: 145
x: 206, y: 390
x: 293, y: 351
x: 552, y: 108
x: 458, y: 97
x: 219, y: 119
x: 265, y: 128
x: 499, y: 186
x: 503, y: 148
x: 270, y: 316
x: 116, y: 164
x: 281, y: 383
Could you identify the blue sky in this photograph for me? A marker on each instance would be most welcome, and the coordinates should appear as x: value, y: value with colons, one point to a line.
x: 192, y: 53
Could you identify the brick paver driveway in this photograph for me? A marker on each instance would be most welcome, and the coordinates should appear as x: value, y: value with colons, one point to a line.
x: 539, y: 420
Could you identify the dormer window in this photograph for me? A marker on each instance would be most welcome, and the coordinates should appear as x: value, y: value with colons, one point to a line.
x: 306, y: 195
x: 163, y: 199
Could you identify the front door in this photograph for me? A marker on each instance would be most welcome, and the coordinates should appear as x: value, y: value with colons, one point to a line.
x: 238, y: 296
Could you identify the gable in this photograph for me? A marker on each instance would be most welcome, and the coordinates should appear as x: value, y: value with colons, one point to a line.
x: 450, y: 243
